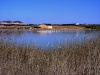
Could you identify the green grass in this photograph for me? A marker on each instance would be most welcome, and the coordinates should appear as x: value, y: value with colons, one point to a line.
x: 73, y: 59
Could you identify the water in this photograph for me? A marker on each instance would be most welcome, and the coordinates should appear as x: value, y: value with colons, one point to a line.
x: 46, y: 38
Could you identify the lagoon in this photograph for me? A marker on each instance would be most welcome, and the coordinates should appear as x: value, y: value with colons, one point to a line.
x: 47, y: 38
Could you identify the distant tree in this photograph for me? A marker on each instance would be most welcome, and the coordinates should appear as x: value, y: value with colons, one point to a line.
x: 17, y: 22
x: 64, y: 24
x: 7, y: 21
x: 47, y: 23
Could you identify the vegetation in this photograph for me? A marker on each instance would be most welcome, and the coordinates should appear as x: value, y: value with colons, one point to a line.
x: 73, y: 59
x: 12, y: 21
x: 17, y: 22
x: 7, y: 21
x: 92, y: 26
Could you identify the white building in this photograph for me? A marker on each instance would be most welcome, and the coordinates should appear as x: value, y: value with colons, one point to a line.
x: 77, y: 24
x: 49, y: 27
x: 45, y: 26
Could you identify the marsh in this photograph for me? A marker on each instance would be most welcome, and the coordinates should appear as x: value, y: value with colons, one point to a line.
x: 46, y: 52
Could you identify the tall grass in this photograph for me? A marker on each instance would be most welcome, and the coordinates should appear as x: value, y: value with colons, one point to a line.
x: 74, y: 59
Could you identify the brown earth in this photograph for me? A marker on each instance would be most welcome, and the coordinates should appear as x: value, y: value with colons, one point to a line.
x: 68, y: 27
x: 54, y: 27
x: 14, y: 27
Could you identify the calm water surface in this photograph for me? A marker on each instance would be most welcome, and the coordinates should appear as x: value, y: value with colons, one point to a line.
x: 46, y: 38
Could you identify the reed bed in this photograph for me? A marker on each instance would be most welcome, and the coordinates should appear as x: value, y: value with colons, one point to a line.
x: 73, y: 59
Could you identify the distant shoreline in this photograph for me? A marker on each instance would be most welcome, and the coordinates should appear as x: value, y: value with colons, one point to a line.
x: 53, y: 28
x: 48, y: 29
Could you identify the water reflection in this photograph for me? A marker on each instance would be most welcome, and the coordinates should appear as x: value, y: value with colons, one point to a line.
x: 46, y: 38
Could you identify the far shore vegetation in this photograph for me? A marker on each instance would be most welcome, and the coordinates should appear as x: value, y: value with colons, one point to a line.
x: 21, y: 25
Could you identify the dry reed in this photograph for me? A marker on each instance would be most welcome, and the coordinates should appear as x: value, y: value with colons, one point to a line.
x: 74, y: 59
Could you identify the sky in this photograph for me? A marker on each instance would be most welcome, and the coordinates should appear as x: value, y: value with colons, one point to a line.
x: 51, y: 11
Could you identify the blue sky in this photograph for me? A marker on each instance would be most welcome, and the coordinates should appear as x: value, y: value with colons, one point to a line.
x: 51, y: 11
